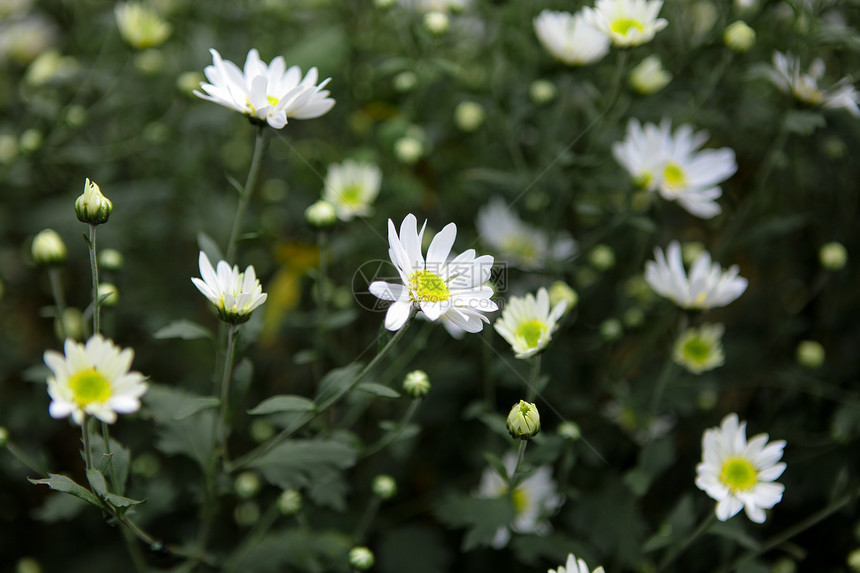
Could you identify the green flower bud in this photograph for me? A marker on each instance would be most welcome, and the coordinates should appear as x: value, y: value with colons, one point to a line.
x: 108, y: 295
x: 569, y: 431
x: 416, y: 384
x: 247, y: 485
x: 262, y: 430
x: 361, y: 558
x: 810, y: 354
x: 469, y: 116
x: 384, y: 486
x: 290, y: 502
x: 542, y: 92
x: 611, y: 329
x: 48, y: 248
x: 408, y: 150
x: 111, y: 259
x: 321, y: 214
x: 92, y: 207
x: 405, y: 81
x: 633, y: 317
x: 523, y: 420
x: 853, y: 560
x: 602, y: 257
x: 561, y: 291
x: 4, y: 436
x: 649, y: 76
x: 784, y: 565
x: 72, y: 325
x: 246, y: 513
x: 31, y: 140
x: 739, y: 37
x: 833, y: 256
x: 140, y: 26
x: 436, y: 22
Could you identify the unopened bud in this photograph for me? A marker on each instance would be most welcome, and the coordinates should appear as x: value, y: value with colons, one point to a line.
x: 408, y: 150
x: 436, y: 22
x: 416, y: 384
x: 4, y: 436
x: 469, y: 116
x: 524, y: 420
x: 854, y: 560
x: 108, y: 295
x: 602, y: 257
x: 111, y: 259
x: 833, y: 256
x: 321, y: 214
x: 290, y: 502
x: 246, y: 513
x: 405, y: 81
x: 361, y: 558
x: 560, y: 291
x: 92, y: 207
x: 739, y: 37
x: 247, y: 485
x: 542, y: 92
x: 384, y: 486
x: 810, y: 354
x: 649, y: 76
x: 570, y: 431
x: 48, y: 248
x: 611, y: 329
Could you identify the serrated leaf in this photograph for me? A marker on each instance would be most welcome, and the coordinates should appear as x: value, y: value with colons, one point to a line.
x: 481, y: 517
x: 119, y: 501
x: 184, y: 329
x: 283, y: 403
x: 191, y: 436
x: 378, y: 390
x: 67, y: 485
x: 298, y: 463
x: 335, y: 381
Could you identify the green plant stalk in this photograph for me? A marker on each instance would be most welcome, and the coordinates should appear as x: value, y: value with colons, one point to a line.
x: 263, y: 525
x: 247, y: 191
x: 531, y: 391
x: 59, y: 300
x: 680, y: 548
x: 521, y: 454
x: 322, y: 302
x: 117, y: 487
x: 223, y: 427
x: 366, y: 519
x: 393, y: 433
x: 88, y: 455
x: 94, y: 270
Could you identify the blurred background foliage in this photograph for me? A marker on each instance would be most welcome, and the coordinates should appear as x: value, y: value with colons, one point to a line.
x: 76, y: 101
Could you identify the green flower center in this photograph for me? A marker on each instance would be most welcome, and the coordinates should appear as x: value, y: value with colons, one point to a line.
x: 351, y: 195
x: 738, y: 474
x: 531, y: 331
x: 89, y: 386
x: 520, y: 499
x: 674, y: 176
x: 521, y: 247
x: 643, y: 180
x: 696, y: 350
x: 624, y: 25
x: 426, y: 286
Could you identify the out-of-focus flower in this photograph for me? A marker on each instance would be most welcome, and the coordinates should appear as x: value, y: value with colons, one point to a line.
x: 108, y: 294
x: 247, y: 485
x: 436, y: 22
x: 649, y: 76
x: 469, y: 116
x: 574, y: 565
x: 542, y: 91
x: 23, y: 40
x: 569, y: 38
x: 627, y: 22
x: 361, y: 558
x: 527, y: 323
x: 451, y: 290
x: 290, y: 502
x: 48, y: 248
x: 270, y: 93
x: 51, y: 66
x: 321, y: 214
x: 810, y: 354
x: 408, y: 149
x: 405, y: 81
x: 93, y: 379
x: 700, y: 349
x: 611, y: 329
x: 787, y: 77
x: 534, y: 499
x: 560, y: 291
x: 140, y: 26
x: 384, y: 486
x: 739, y: 37
x: 234, y: 294
x: 740, y: 474
x: 523, y: 420
x: 352, y: 187
x: 519, y: 243
x: 708, y: 286
x: 601, y: 257
x: 833, y: 256
x: 111, y: 259
x: 91, y: 206
x: 416, y: 384
x: 569, y: 430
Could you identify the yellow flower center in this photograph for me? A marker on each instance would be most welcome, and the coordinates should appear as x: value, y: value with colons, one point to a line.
x: 273, y: 101
x: 520, y: 499
x: 89, y: 386
x: 738, y: 474
x: 531, y: 331
x: 624, y: 25
x: 696, y: 350
x: 700, y: 299
x: 351, y: 195
x: 643, y: 180
x: 425, y: 286
x: 674, y: 176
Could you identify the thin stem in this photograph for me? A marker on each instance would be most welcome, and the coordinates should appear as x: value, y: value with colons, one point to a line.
x: 24, y: 458
x: 59, y: 301
x: 531, y: 392
x: 393, y: 433
x: 263, y: 525
x: 94, y: 269
x: 223, y: 428
x: 117, y: 487
x: 322, y: 306
x: 247, y: 191
x: 672, y: 555
x: 521, y: 453
x: 366, y: 520
x: 88, y: 456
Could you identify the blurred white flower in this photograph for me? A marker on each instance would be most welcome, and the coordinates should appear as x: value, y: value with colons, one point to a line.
x: 270, y: 93
x: 739, y: 37
x: 700, y: 349
x: 527, y: 323
x: 518, y: 242
x: 93, y: 379
x: 23, y: 40
x: 740, y: 474
x: 626, y: 22
x: 649, y: 76
x: 708, y: 286
x: 352, y: 187
x: 234, y: 294
x: 569, y: 38
x: 451, y: 290
x: 534, y: 499
x: 140, y: 26
x: 787, y: 77
x: 574, y: 565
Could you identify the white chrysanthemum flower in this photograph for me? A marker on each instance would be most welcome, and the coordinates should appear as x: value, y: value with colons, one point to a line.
x: 527, y: 323
x: 518, y: 242
x: 352, y: 187
x: 534, y: 499
x: 649, y: 76
x: 700, y: 349
x: 270, y: 93
x: 93, y: 379
x: 141, y: 26
x: 786, y: 76
x: 450, y: 290
x: 569, y: 38
x: 740, y: 473
x: 574, y: 565
x: 627, y: 22
x: 641, y: 153
x: 708, y: 286
x: 234, y: 294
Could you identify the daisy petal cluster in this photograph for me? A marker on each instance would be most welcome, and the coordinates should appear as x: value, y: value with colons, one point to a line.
x: 708, y: 285
x: 527, y: 323
x: 569, y: 38
x: 627, y: 23
x: 700, y: 349
x: 234, y: 294
x: 270, y: 93
x: 518, y: 242
x: 93, y: 379
x: 352, y: 187
x: 574, y: 565
x: 740, y: 473
x: 675, y: 165
x: 453, y: 291
x: 534, y: 499
x: 787, y: 77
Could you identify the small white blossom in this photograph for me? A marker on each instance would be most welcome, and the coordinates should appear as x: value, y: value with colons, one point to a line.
x: 234, y: 294
x: 574, y: 565
x: 627, y: 23
x: 569, y: 38
x: 700, y: 349
x: 786, y: 76
x: 527, y: 323
x: 352, y: 187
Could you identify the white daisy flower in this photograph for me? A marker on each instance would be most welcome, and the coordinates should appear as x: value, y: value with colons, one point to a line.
x: 575, y: 565
x: 627, y: 22
x: 786, y: 76
x: 351, y: 187
x: 740, y: 474
x: 527, y: 323
x: 518, y: 242
x: 450, y: 290
x: 534, y: 499
x: 234, y: 294
x: 642, y: 153
x: 93, y: 379
x: 140, y: 26
x: 708, y: 286
x: 700, y: 349
x: 270, y: 93
x: 569, y: 38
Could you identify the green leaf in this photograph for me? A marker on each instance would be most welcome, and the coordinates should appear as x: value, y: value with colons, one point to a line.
x: 283, y: 403
x: 378, y: 390
x: 184, y: 329
x: 97, y: 481
x: 191, y: 406
x: 65, y: 484
x: 299, y: 463
x: 119, y: 458
x: 178, y: 432
x: 335, y: 381
x: 481, y: 517
x: 496, y: 463
x: 59, y: 508
x: 803, y: 122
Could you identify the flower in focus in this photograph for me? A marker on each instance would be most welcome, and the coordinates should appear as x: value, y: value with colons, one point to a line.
x: 93, y: 379
x: 534, y: 499
x: 523, y: 420
x: 91, y: 206
x: 351, y: 187
x: 788, y: 78
x: 527, y: 323
x: 270, y: 93
x: 627, y: 23
x: 740, y: 473
x: 574, y: 565
x: 520, y: 243
x: 569, y: 38
x: 700, y: 349
x: 234, y: 294
x: 140, y: 26
x: 649, y: 76
x: 450, y: 290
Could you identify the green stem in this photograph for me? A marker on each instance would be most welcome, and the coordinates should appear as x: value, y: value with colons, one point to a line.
x: 117, y: 487
x: 59, y: 301
x: 263, y: 525
x: 521, y: 454
x: 393, y: 433
x: 24, y: 458
x: 94, y: 269
x: 672, y: 555
x: 366, y: 520
x: 534, y: 377
x: 88, y: 456
x: 223, y: 428
x: 247, y: 191
x: 322, y: 307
